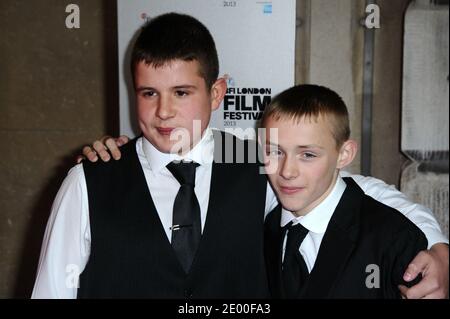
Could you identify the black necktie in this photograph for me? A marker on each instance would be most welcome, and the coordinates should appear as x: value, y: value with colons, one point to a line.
x: 186, y: 227
x: 295, y: 271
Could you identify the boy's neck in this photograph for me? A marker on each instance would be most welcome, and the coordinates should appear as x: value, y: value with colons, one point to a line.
x: 323, y: 197
x: 202, y: 152
x: 184, y: 151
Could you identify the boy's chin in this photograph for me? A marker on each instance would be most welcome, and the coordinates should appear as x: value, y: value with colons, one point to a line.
x: 168, y: 148
x: 173, y: 149
x: 292, y: 207
x: 164, y: 145
x: 178, y: 149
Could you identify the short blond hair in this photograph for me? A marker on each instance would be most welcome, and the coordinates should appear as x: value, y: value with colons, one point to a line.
x: 311, y: 101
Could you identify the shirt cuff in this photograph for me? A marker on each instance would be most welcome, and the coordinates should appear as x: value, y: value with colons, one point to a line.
x: 434, y: 236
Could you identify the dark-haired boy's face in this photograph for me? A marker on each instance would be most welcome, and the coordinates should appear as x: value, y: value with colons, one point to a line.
x: 174, y: 104
x: 302, y: 160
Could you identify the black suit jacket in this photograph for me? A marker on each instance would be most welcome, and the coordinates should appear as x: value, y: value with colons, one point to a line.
x: 363, y: 234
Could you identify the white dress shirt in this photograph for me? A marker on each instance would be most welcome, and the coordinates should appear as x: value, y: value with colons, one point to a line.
x: 316, y: 222
x: 66, y: 244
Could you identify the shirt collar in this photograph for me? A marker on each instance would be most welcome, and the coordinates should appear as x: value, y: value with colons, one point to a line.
x: 202, y: 153
x: 317, y: 219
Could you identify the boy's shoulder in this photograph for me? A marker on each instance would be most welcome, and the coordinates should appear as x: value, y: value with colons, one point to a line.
x: 379, y: 219
x: 128, y: 156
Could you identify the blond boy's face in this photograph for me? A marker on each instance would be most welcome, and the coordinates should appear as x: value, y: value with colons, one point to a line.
x: 302, y: 162
x: 170, y: 99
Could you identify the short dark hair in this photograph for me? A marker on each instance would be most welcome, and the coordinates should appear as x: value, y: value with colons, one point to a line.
x: 311, y: 101
x: 174, y: 36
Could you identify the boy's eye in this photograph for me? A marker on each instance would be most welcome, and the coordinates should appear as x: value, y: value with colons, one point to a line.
x: 308, y: 155
x: 273, y: 152
x: 181, y: 93
x: 148, y: 93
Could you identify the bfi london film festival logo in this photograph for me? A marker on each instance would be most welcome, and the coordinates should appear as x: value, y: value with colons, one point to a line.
x: 244, y: 103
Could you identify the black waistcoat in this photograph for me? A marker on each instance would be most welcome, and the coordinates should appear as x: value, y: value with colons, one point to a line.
x: 131, y: 256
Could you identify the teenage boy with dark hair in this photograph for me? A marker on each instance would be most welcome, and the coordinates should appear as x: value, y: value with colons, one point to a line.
x: 327, y: 237
x: 122, y: 224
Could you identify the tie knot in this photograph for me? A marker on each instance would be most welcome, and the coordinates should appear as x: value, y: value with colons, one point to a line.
x: 184, y: 172
x: 296, y: 234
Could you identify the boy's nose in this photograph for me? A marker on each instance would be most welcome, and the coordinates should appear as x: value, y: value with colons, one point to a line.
x: 165, y: 110
x: 289, y: 169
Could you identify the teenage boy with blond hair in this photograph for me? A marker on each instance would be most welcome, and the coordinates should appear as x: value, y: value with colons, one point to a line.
x: 327, y: 239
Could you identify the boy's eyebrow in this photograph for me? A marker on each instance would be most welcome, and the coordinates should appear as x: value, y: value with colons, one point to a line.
x: 272, y: 144
x: 142, y: 88
x: 185, y: 86
x: 178, y: 87
x: 298, y: 146
x: 310, y: 146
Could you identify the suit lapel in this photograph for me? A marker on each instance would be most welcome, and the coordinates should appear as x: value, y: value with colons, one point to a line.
x: 273, y: 244
x: 221, y: 175
x: 337, y: 244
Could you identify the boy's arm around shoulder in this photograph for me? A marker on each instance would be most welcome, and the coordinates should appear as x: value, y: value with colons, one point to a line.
x: 421, y: 216
x: 432, y: 263
x: 406, y: 243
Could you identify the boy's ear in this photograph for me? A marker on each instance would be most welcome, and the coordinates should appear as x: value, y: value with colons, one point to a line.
x: 218, y: 91
x: 347, y: 153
